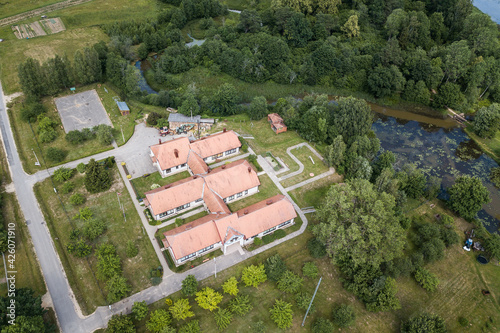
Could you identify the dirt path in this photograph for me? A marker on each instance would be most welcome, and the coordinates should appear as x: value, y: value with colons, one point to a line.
x: 40, y: 11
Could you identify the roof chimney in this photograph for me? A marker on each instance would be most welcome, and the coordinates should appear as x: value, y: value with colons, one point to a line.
x: 195, y: 176
x: 224, y: 166
x: 167, y: 186
x: 224, y: 130
x: 176, y: 153
x: 208, y: 171
x: 245, y: 211
x: 189, y: 226
x: 159, y: 141
x: 270, y: 201
x: 249, y: 169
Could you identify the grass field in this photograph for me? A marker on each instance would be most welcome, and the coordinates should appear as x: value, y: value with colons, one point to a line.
x: 266, y: 189
x: 312, y: 194
x: 459, y: 293
x: 10, y: 8
x: 303, y: 154
x: 81, y: 31
x: 143, y: 184
x: 104, y: 206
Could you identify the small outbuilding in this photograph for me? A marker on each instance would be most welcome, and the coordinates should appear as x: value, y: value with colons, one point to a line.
x: 123, y: 107
x: 277, y: 124
x: 177, y: 120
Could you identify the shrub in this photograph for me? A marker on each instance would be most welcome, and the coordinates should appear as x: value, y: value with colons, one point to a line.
x: 424, y: 323
x: 97, y: 179
x: 63, y: 174
x: 67, y: 187
x: 131, y: 250
x: 282, y: 314
x: 104, y: 134
x: 189, y: 285
x: 257, y: 241
x: 192, y: 327
x: 310, y: 270
x: 399, y: 267
x: 290, y: 282
x: 140, y: 310
x: 244, y: 145
x: 316, y: 248
x: 223, y: 318
x: 495, y: 176
x: 231, y: 286
x: 56, y: 154
x: 275, y: 267
x: 75, y: 137
x: 426, y: 279
x: 76, y: 199
x: 79, y: 248
x: 268, y: 238
x: 47, y: 135
x: 152, y: 119
x: 240, y: 305
x: 344, y: 315
x: 449, y: 237
x: 31, y: 111
x: 81, y: 168
x: 322, y: 325
x: 447, y: 220
x: 280, y: 233
x: 258, y: 327
x: 303, y: 300
x: 254, y: 275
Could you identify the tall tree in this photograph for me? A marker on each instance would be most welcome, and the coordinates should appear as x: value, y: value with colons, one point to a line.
x: 181, y: 309
x: 31, y: 78
x: 282, y: 314
x: 358, y: 222
x: 424, y: 323
x: 467, y: 196
x: 97, y: 179
x: 352, y: 118
x: 208, y: 299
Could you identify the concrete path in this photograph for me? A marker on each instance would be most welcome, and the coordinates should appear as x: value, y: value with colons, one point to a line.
x: 301, y: 166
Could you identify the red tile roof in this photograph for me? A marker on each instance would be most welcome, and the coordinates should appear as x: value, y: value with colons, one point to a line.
x: 216, y: 144
x: 166, y: 152
x: 276, y: 120
x: 196, y: 163
x: 215, y: 228
x: 232, y: 178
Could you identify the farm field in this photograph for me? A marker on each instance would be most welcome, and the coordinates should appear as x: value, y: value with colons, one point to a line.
x: 81, y: 22
x: 10, y: 8
x: 88, y: 291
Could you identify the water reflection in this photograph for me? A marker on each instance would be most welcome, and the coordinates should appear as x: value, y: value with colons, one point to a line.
x: 446, y: 153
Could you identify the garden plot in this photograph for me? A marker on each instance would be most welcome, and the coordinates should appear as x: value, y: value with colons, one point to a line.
x: 82, y: 110
x: 39, y: 28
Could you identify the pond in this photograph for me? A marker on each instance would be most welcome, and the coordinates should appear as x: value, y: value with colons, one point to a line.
x: 441, y: 149
x: 142, y: 80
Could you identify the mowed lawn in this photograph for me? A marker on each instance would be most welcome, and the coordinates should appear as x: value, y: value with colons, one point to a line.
x: 312, y: 194
x: 304, y: 154
x: 105, y: 206
x: 82, y: 30
x: 267, y: 189
x: 265, y: 140
x: 10, y: 8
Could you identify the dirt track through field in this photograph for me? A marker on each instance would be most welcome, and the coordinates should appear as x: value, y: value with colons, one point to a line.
x: 40, y: 11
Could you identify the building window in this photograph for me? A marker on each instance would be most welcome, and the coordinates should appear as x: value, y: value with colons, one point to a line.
x: 178, y: 209
x: 168, y: 170
x: 163, y: 214
x: 183, y: 165
x: 232, y: 151
x: 284, y: 223
x: 239, y: 195
x: 246, y: 192
x: 216, y: 156
x: 225, y: 200
x: 206, y: 249
x: 231, y: 197
x: 198, y: 200
x: 268, y: 231
x: 188, y: 256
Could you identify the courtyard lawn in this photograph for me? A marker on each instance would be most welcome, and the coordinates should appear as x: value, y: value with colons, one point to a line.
x: 265, y: 140
x: 105, y: 206
x: 143, y: 184
x: 267, y: 189
x: 178, y: 222
x: 303, y: 154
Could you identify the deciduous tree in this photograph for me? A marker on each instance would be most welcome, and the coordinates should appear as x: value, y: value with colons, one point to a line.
x: 467, y: 196
x: 231, y: 286
x: 181, y: 309
x: 254, y: 275
x: 140, y: 310
x: 282, y: 314
x: 208, y: 299
x: 424, y: 323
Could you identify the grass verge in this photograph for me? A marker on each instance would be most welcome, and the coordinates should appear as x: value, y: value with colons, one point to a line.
x: 266, y: 189
x: 304, y: 155
x: 104, y: 206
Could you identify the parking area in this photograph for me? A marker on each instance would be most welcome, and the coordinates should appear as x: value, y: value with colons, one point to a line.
x: 82, y: 110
